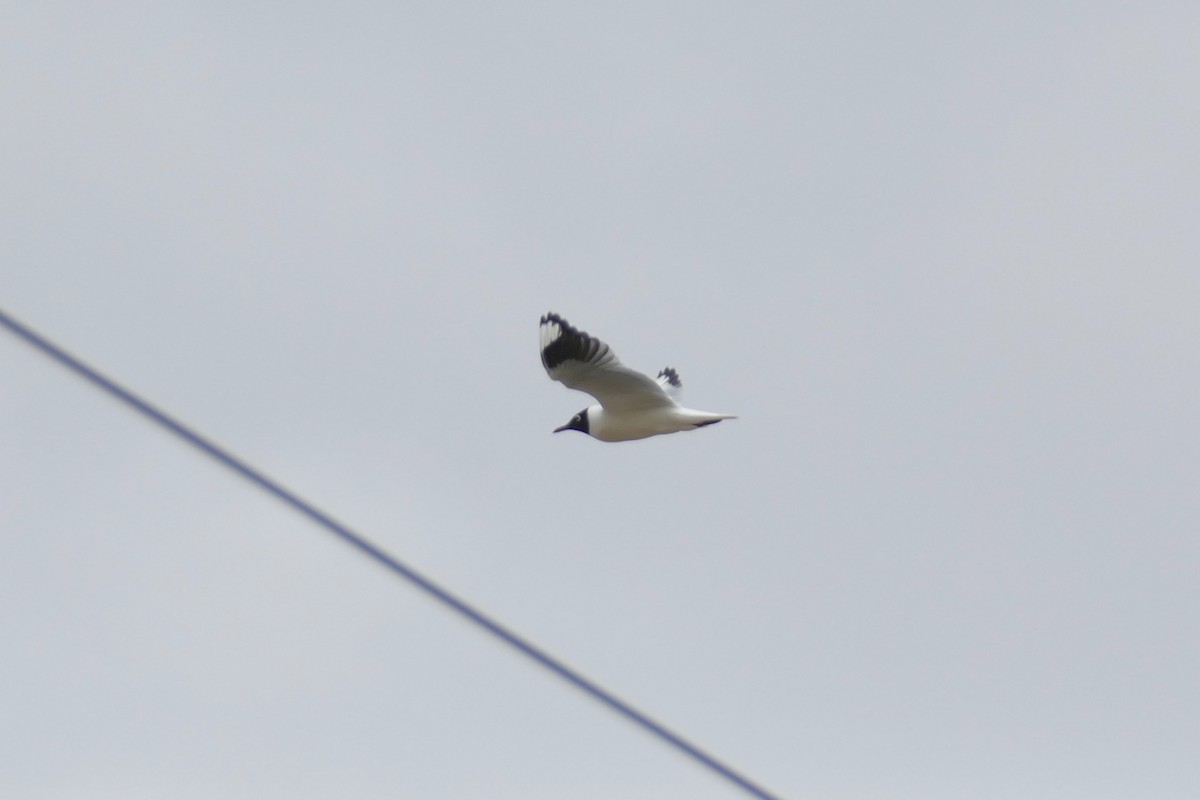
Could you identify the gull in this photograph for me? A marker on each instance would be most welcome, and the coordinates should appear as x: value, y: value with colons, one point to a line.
x: 632, y: 405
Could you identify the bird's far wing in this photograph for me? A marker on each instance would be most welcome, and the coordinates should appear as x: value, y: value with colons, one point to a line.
x: 583, y: 362
x: 668, y: 379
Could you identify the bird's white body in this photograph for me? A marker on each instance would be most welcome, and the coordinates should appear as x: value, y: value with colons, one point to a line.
x: 632, y: 405
x: 638, y: 424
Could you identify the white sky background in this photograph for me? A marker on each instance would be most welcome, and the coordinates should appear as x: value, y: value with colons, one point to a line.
x: 941, y: 258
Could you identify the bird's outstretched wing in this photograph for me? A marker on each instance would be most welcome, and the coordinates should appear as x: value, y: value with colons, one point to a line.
x: 583, y: 362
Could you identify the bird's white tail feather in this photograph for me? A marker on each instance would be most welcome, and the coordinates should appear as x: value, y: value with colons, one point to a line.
x: 706, y: 416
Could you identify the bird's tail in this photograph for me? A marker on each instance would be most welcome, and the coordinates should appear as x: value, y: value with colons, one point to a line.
x: 702, y: 418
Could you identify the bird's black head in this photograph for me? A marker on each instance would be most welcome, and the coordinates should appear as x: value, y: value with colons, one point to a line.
x: 579, y: 422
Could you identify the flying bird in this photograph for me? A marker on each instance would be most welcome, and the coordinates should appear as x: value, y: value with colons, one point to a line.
x: 632, y: 405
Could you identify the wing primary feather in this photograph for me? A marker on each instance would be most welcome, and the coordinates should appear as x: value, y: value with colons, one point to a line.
x: 571, y: 344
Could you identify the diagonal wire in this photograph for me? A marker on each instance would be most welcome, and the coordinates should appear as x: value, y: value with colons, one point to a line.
x: 443, y: 596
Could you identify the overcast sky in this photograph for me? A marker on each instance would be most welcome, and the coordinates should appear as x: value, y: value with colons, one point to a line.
x: 941, y: 258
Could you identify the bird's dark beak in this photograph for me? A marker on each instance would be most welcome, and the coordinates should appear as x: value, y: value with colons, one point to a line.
x: 577, y: 423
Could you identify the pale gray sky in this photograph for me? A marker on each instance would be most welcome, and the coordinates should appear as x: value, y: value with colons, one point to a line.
x: 941, y: 258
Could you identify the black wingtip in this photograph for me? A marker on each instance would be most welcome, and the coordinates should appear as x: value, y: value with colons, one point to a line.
x: 571, y: 344
x: 671, y: 375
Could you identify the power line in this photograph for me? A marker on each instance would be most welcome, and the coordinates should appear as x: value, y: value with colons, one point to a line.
x: 597, y: 692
